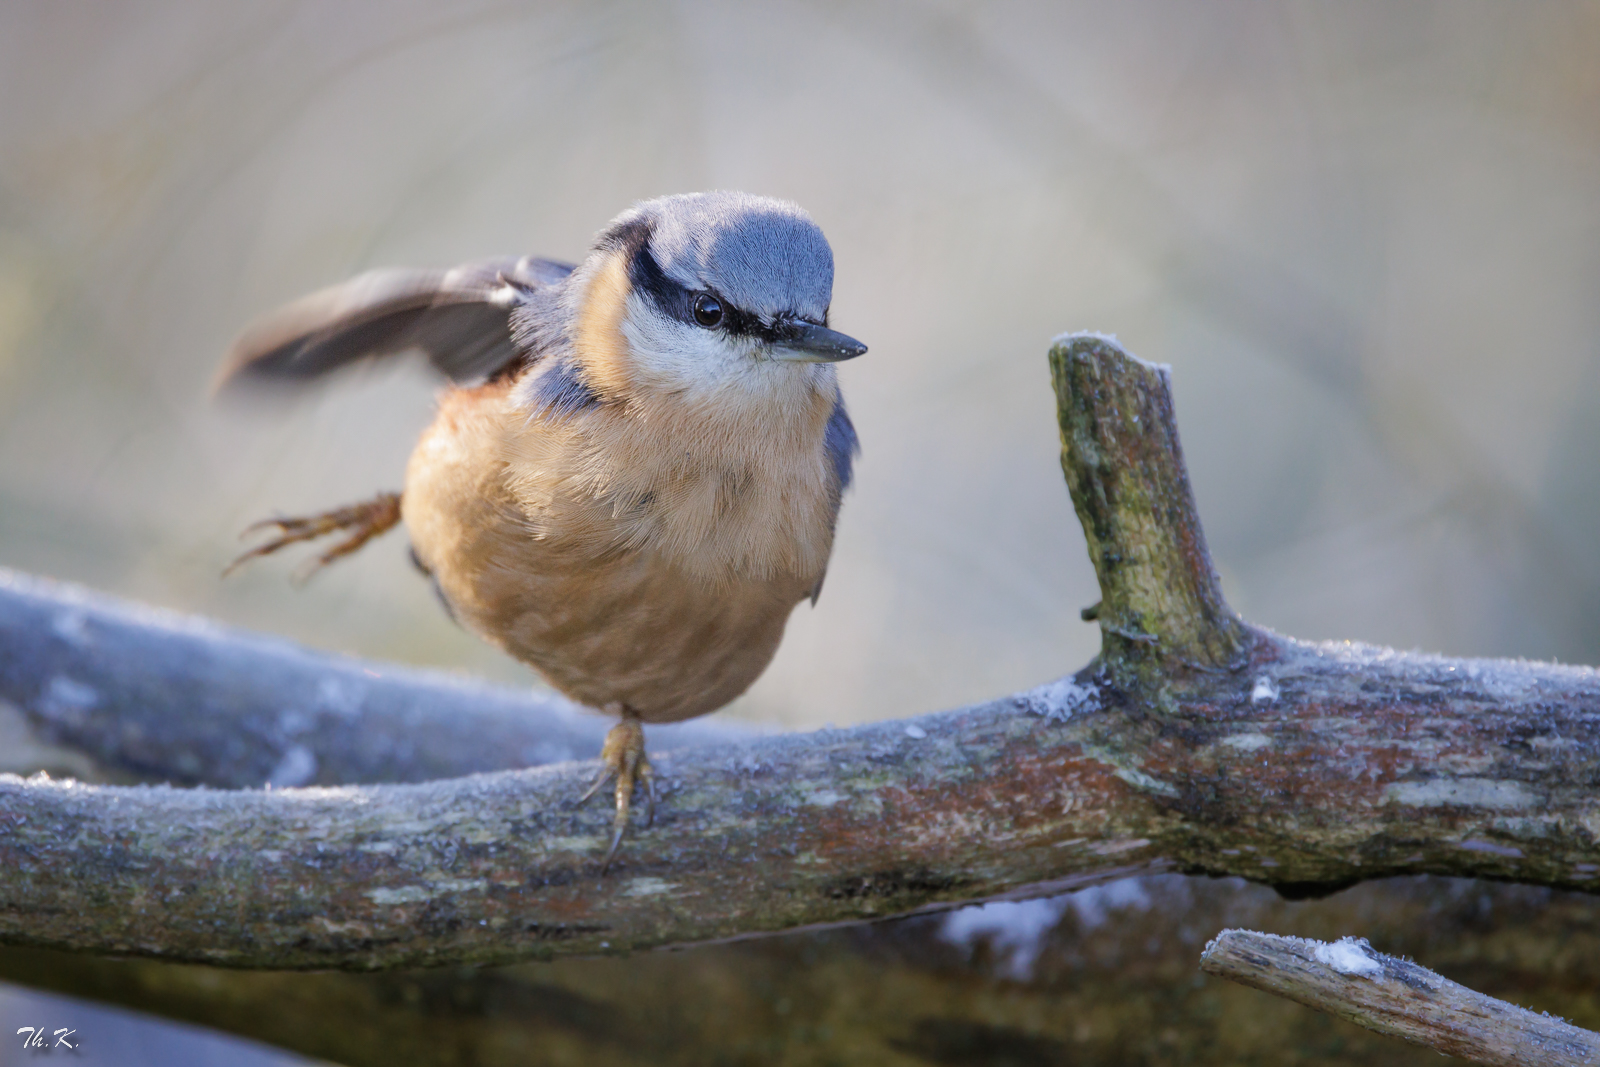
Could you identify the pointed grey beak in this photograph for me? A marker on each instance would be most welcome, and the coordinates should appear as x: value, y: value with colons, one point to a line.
x: 805, y: 343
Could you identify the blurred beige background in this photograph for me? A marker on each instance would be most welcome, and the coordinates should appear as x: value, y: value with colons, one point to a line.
x: 1365, y: 235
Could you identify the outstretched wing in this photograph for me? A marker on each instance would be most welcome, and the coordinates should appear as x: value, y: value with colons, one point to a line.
x: 458, y: 318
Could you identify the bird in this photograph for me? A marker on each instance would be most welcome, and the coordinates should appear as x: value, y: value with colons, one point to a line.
x: 635, y: 469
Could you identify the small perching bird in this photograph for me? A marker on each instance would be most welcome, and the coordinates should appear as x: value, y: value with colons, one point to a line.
x: 636, y: 474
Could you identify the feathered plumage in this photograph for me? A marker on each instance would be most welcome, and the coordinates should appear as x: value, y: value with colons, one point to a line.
x: 638, y: 470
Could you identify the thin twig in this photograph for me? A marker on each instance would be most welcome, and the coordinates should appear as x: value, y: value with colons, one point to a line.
x: 1398, y: 998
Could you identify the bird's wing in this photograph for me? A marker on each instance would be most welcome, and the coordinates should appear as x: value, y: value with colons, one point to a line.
x: 459, y: 318
x: 842, y: 446
x: 840, y: 442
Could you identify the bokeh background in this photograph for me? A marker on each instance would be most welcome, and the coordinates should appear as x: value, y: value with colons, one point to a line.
x: 1366, y: 235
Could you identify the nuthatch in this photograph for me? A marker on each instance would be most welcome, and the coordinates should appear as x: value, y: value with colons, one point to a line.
x: 636, y: 473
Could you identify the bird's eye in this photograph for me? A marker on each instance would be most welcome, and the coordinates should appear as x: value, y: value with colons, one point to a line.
x: 707, y: 310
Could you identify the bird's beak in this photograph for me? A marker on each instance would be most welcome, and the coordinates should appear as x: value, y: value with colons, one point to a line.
x: 804, y: 343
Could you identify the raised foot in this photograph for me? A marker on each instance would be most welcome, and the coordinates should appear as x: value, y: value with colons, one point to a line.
x: 364, y: 521
x: 622, y: 757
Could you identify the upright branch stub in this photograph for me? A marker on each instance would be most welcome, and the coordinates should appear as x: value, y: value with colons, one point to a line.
x: 1161, y: 606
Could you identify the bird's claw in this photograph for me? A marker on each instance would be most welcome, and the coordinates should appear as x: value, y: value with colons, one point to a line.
x: 622, y: 758
x: 364, y: 521
x: 601, y: 779
x: 611, y: 853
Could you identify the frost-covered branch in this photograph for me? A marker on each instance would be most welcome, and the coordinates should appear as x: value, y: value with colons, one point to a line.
x: 148, y: 695
x: 1398, y: 998
x: 1194, y: 742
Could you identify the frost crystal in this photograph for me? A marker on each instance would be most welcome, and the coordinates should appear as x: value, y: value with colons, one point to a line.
x: 1263, y: 691
x: 1348, y: 955
x: 1060, y: 700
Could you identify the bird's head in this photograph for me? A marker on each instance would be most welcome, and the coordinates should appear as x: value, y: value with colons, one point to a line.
x: 704, y: 289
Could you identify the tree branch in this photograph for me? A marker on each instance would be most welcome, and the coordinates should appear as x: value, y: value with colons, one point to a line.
x: 1398, y: 998
x: 1161, y: 607
x: 153, y: 696
x: 1193, y: 742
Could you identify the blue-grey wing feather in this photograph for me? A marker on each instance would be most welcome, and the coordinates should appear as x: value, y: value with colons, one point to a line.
x: 459, y: 318
x: 557, y: 389
x: 839, y: 439
x: 842, y: 446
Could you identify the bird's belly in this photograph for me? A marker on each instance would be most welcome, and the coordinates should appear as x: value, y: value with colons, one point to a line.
x: 603, y: 626
x: 560, y: 588
x: 635, y: 631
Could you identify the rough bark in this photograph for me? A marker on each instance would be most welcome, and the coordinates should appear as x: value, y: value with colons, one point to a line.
x: 1398, y: 998
x: 1194, y: 742
x: 1161, y: 607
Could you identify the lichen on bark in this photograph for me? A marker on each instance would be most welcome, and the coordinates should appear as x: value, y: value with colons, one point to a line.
x: 1161, y: 608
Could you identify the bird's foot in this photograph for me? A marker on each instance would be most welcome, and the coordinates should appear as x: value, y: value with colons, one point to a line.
x: 364, y: 521
x: 622, y: 757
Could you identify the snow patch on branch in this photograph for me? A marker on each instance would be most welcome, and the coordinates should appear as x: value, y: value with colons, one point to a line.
x: 1348, y: 955
x: 1060, y: 700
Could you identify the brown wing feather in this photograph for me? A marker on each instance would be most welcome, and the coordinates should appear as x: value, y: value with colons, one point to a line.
x: 458, y: 318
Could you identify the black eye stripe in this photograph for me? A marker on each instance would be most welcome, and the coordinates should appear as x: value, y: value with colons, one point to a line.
x: 648, y: 277
x: 674, y: 300
x: 741, y: 323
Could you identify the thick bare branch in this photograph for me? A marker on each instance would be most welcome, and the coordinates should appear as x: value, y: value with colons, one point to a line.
x: 153, y: 696
x: 1194, y: 742
x: 1399, y: 998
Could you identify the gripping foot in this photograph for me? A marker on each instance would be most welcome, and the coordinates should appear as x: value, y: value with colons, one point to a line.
x: 364, y: 521
x: 622, y: 757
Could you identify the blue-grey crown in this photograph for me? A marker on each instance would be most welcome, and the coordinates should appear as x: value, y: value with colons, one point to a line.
x: 764, y: 256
